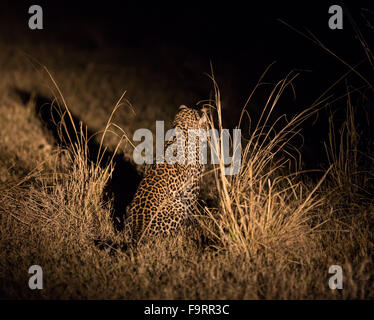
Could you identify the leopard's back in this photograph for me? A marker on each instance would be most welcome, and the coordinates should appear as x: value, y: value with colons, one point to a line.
x: 168, y: 192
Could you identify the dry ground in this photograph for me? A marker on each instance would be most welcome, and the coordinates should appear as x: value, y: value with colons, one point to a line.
x: 264, y: 234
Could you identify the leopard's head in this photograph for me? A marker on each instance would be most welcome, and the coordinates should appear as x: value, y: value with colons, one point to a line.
x: 190, y: 129
x: 191, y: 118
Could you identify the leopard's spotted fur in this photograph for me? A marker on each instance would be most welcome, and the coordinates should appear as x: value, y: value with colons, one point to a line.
x: 168, y: 192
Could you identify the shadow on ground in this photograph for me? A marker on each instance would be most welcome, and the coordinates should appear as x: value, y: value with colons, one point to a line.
x: 125, y: 179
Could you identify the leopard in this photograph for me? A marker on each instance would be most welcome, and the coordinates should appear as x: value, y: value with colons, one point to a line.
x: 168, y: 192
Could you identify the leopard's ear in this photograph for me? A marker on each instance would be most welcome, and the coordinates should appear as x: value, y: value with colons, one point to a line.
x: 203, y: 121
x: 182, y: 106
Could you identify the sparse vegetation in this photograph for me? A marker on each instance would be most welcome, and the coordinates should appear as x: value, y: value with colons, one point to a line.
x: 270, y: 232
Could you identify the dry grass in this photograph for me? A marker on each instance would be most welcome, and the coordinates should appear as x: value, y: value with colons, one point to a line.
x: 269, y: 232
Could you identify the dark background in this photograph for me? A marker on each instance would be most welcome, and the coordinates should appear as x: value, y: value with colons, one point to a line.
x: 240, y: 39
x: 246, y: 35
